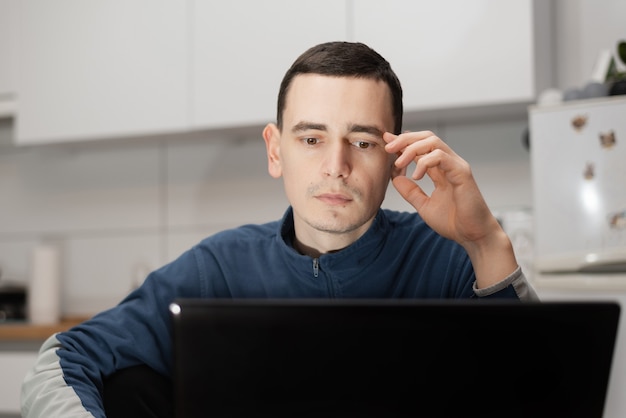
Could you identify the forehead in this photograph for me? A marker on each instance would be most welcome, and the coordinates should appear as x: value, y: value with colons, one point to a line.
x: 345, y: 100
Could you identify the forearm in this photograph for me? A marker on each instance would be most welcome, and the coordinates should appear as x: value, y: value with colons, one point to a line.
x: 492, y: 257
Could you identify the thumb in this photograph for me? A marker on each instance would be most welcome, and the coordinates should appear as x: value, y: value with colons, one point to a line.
x: 410, y: 191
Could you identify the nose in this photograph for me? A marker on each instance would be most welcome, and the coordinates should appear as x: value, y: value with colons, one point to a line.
x: 337, y: 160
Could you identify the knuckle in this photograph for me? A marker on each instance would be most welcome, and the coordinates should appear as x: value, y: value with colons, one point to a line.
x: 466, y: 168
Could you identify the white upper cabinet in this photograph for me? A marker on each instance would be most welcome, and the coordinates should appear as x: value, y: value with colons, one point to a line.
x: 116, y: 68
x: 101, y: 69
x: 242, y: 49
x: 8, y: 56
x: 453, y: 53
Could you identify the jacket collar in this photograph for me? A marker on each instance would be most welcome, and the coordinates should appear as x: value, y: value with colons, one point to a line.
x: 360, y: 252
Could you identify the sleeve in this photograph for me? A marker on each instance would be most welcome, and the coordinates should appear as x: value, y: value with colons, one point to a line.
x: 513, y: 286
x: 45, y: 393
x: 66, y: 379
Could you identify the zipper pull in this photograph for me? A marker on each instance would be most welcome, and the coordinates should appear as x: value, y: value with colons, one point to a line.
x: 316, y: 267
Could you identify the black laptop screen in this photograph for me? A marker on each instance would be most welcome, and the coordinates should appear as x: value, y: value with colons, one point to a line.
x: 317, y: 358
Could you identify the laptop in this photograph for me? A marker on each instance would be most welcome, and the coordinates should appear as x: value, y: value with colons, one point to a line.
x: 391, y: 358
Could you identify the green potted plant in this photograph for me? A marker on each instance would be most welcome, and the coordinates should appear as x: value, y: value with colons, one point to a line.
x: 616, y: 79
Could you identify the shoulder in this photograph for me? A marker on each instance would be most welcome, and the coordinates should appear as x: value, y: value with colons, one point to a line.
x: 409, y: 227
x: 403, y: 221
x: 245, y: 235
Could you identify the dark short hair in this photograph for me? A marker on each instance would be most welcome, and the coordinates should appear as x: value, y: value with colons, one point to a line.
x: 344, y: 59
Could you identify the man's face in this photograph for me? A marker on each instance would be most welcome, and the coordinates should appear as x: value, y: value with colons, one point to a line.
x: 331, y: 155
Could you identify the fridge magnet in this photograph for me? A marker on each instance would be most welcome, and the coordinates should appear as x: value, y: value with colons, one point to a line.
x: 590, y: 171
x: 607, y: 139
x: 617, y: 220
x: 579, y: 122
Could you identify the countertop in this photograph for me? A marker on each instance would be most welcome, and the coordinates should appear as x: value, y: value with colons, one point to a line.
x: 24, y: 331
x: 592, y: 282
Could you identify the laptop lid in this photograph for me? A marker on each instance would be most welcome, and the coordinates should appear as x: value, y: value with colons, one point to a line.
x: 392, y: 358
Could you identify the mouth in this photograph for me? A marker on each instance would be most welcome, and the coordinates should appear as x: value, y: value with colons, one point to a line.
x: 334, y: 199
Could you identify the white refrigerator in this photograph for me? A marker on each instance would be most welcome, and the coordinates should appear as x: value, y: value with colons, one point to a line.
x: 578, y: 167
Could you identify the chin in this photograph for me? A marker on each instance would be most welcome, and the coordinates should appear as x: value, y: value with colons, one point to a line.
x: 336, y: 224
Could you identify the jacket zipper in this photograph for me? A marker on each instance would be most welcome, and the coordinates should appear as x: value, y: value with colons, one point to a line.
x: 316, y: 273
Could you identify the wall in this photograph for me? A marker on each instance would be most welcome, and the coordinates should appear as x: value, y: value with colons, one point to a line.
x: 119, y: 210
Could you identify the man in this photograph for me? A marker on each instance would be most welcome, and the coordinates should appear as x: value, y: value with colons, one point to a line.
x: 336, y: 144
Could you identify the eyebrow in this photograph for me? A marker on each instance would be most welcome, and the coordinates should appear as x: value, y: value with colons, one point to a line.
x: 354, y: 128
x: 308, y: 126
x: 367, y: 129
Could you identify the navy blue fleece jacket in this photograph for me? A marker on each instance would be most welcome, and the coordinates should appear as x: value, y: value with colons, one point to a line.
x: 398, y: 257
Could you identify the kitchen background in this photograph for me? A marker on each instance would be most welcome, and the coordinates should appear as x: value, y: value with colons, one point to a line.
x: 119, y: 205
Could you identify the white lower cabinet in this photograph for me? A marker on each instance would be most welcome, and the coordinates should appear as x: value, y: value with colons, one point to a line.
x: 14, y: 365
x: 608, y: 287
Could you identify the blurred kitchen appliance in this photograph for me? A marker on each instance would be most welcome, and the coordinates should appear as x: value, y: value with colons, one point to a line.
x: 44, y: 303
x: 578, y: 165
x: 12, y: 302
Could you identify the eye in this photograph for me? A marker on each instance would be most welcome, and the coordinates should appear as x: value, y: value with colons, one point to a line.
x: 362, y: 144
x: 311, y: 141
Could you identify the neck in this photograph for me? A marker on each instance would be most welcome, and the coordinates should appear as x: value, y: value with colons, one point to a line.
x: 305, y: 249
x: 317, y: 251
x: 315, y: 243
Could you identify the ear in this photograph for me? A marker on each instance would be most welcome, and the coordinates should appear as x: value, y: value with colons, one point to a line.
x: 271, y: 135
x: 395, y: 170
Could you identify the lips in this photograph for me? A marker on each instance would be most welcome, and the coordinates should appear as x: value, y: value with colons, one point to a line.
x: 335, y: 199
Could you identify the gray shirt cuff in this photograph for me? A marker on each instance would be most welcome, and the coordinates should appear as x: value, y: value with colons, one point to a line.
x: 517, y: 279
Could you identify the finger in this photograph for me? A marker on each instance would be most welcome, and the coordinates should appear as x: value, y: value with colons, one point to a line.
x: 414, y: 146
x: 415, y: 151
x: 439, y: 165
x: 397, y: 143
x: 406, y: 138
x: 427, y: 162
x: 410, y: 191
x: 388, y: 137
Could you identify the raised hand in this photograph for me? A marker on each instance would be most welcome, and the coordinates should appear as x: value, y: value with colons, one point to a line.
x: 455, y: 209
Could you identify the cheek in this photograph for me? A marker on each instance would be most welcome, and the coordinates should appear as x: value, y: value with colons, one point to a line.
x: 296, y: 180
x: 379, y: 185
x: 379, y: 177
x: 375, y: 180
x: 379, y: 171
x: 290, y: 170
